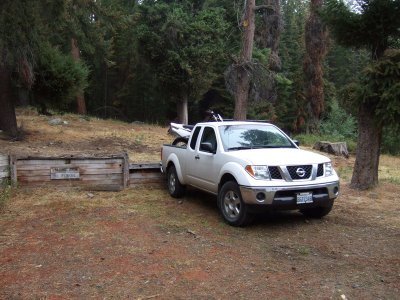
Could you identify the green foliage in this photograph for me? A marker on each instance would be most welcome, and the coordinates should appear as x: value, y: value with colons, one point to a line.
x: 261, y: 55
x: 391, y: 141
x: 369, y: 25
x: 339, y: 123
x: 380, y: 88
x: 182, y: 45
x: 261, y: 111
x: 59, y: 76
x: 290, y: 106
x: 24, y: 26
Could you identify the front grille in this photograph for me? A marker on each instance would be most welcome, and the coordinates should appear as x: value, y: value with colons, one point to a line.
x: 274, y: 172
x: 299, y: 172
x: 320, y: 171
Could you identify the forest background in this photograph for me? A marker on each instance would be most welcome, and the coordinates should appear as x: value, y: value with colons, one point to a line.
x: 138, y: 60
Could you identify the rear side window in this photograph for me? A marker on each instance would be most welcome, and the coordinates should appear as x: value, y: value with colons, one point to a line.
x: 195, y: 135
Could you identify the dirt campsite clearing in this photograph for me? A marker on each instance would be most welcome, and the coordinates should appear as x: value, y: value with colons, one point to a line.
x: 140, y: 243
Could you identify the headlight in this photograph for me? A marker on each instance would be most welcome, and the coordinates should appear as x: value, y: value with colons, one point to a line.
x: 258, y: 172
x: 328, y: 169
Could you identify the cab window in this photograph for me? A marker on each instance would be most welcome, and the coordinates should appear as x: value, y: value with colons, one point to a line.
x: 208, y: 137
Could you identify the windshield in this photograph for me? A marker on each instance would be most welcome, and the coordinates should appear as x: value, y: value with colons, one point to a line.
x: 253, y: 136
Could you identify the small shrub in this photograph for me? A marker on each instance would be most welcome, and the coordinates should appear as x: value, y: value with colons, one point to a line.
x: 339, y: 123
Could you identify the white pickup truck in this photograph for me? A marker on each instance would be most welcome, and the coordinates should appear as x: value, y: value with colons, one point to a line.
x: 251, y: 166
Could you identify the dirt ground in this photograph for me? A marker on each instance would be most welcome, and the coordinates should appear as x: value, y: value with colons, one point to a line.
x: 141, y: 244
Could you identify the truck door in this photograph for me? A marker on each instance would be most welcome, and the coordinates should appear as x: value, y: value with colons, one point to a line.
x: 204, y: 168
x: 190, y: 155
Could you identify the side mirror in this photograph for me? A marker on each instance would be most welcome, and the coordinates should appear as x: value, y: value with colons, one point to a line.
x: 207, y: 147
x: 297, y: 143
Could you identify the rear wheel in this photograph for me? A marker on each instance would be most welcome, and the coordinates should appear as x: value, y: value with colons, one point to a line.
x: 316, y: 212
x: 175, y: 188
x: 231, y: 205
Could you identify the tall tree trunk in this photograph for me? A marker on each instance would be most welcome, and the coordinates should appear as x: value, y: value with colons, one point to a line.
x: 316, y: 44
x: 182, y: 109
x: 366, y: 166
x: 243, y: 74
x: 80, y: 98
x: 273, y: 23
x: 8, y: 120
x: 365, y: 174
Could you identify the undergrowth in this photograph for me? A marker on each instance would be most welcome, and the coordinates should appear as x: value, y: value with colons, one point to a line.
x: 5, y: 192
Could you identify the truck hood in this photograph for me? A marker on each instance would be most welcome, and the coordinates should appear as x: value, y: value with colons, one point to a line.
x: 279, y: 157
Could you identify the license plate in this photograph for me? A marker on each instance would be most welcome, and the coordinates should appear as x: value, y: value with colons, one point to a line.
x: 302, y: 198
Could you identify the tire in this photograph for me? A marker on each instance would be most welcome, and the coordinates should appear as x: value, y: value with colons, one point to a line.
x: 175, y: 188
x: 231, y: 205
x: 316, y: 212
x: 180, y: 141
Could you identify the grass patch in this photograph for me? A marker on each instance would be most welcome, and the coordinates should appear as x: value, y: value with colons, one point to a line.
x: 345, y: 172
x: 388, y: 170
x: 5, y: 193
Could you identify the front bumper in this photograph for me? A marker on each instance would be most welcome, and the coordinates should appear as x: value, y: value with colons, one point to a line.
x: 281, y: 196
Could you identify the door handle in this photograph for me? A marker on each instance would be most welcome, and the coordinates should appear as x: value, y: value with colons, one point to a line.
x: 197, y: 157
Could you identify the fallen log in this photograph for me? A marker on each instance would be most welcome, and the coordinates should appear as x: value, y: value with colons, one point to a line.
x: 339, y: 148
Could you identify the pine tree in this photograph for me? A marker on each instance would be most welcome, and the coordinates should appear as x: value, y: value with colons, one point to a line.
x: 374, y: 26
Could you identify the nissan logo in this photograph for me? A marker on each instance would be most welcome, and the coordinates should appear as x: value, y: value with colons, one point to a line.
x: 300, y: 172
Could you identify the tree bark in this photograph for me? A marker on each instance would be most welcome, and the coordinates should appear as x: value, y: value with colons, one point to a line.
x: 8, y: 120
x: 243, y: 75
x: 315, y: 41
x: 365, y: 173
x: 80, y: 98
x: 182, y: 109
x: 273, y: 23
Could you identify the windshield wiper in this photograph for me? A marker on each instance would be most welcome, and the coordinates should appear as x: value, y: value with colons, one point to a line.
x: 240, y: 148
x: 272, y: 146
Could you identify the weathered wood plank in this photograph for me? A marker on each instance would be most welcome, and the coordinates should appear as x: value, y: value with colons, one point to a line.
x: 5, y: 168
x: 82, y: 172
x: 126, y: 170
x: 72, y: 165
x: 148, y: 181
x: 66, y: 162
x: 152, y: 165
x: 114, y: 169
x: 145, y: 174
x: 135, y: 176
x: 46, y: 178
x: 13, y: 170
x: 92, y: 186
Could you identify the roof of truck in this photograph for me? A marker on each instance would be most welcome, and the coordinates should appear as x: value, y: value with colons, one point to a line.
x: 224, y: 123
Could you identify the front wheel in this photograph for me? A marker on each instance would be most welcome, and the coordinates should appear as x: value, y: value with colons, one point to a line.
x: 231, y: 205
x: 175, y: 187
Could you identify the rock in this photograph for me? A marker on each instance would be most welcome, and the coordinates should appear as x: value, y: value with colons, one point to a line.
x: 56, y: 121
x: 90, y: 195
